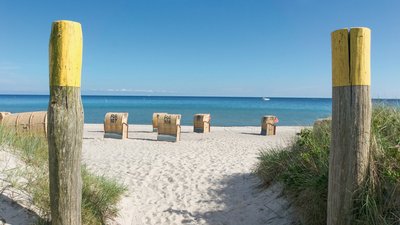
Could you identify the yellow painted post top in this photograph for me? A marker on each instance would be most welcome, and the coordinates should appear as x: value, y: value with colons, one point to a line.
x: 351, y: 60
x: 340, y: 58
x: 360, y: 56
x: 65, y: 54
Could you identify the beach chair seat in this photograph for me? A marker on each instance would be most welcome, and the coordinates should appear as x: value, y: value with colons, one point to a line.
x: 116, y: 125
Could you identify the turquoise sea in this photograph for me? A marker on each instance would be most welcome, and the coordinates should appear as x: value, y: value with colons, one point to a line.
x: 225, y: 111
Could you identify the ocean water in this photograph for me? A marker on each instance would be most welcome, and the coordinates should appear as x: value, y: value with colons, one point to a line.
x: 225, y: 111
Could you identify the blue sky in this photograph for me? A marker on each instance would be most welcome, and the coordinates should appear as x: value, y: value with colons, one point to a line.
x: 199, y: 47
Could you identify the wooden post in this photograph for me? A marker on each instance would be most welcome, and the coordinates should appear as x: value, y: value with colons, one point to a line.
x: 65, y: 123
x: 351, y: 121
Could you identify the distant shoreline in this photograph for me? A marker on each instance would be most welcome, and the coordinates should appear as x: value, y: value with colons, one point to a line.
x: 225, y: 111
x: 176, y: 96
x: 192, y: 96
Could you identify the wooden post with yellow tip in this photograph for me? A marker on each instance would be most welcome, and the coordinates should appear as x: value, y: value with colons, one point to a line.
x: 65, y: 123
x: 351, y: 121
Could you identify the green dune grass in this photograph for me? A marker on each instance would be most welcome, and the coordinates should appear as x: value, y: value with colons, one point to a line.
x: 303, y: 170
x: 100, y: 195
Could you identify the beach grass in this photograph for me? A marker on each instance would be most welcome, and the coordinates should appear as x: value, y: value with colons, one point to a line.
x: 100, y: 195
x: 302, y: 168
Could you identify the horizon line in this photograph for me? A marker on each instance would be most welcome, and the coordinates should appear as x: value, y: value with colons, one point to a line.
x: 190, y: 96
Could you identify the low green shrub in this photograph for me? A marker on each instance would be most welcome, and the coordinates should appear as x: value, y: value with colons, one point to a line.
x: 303, y: 170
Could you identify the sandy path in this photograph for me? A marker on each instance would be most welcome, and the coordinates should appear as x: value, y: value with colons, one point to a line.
x: 204, y: 179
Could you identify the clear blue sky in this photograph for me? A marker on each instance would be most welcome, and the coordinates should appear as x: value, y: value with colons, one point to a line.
x: 199, y: 47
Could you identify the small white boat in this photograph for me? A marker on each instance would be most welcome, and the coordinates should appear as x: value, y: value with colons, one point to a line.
x: 265, y: 99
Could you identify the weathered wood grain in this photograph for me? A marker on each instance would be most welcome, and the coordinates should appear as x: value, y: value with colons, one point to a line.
x: 65, y: 123
x: 351, y: 121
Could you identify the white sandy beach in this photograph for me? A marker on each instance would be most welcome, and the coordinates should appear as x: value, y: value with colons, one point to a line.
x: 203, y: 179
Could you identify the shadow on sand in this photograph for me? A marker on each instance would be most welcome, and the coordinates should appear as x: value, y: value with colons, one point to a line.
x: 142, y: 131
x: 12, y: 212
x: 255, y: 134
x: 241, y: 201
x: 143, y: 139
